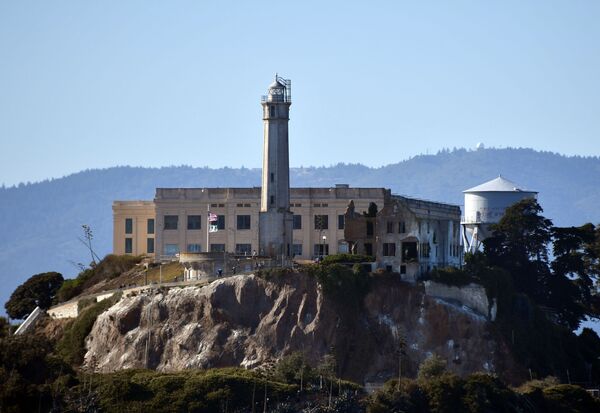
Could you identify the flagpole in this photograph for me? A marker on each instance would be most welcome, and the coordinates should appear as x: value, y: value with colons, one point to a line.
x: 207, y: 226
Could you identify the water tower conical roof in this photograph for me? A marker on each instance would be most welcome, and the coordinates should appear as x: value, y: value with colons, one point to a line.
x: 498, y: 184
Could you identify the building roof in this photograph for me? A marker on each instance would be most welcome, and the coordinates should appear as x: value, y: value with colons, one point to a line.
x: 498, y: 184
x: 276, y: 85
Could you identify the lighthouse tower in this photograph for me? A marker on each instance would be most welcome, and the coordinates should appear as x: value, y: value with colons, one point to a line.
x: 275, y: 232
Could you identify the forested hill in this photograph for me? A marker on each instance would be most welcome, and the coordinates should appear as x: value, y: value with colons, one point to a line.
x: 40, y: 222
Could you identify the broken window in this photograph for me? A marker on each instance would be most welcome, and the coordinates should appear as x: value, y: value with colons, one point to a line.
x: 409, y: 251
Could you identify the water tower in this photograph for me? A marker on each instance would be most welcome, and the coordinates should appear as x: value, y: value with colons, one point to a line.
x: 485, y: 205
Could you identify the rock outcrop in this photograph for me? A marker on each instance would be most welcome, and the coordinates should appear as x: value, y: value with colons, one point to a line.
x: 247, y: 321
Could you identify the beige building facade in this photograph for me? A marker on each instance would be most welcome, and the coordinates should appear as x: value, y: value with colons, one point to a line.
x: 179, y: 219
x: 134, y: 227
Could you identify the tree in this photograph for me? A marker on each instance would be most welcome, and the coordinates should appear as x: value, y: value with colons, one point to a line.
x: 4, y: 327
x: 433, y: 366
x: 577, y: 258
x: 293, y: 369
x: 519, y: 244
x: 39, y: 290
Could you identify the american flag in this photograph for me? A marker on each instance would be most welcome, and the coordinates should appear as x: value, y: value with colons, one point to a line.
x: 212, y: 217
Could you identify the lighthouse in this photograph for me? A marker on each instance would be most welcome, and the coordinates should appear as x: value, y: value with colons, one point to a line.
x: 275, y: 232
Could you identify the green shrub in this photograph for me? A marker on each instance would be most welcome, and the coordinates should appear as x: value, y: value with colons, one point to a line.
x: 433, y: 366
x: 190, y: 390
x: 486, y: 393
x: 346, y: 259
x: 273, y: 273
x: 110, y: 267
x: 568, y: 398
x: 69, y: 289
x: 342, y: 284
x: 445, y: 393
x: 30, y: 375
x: 85, y: 303
x: 293, y: 368
x: 71, y: 346
x: 451, y: 276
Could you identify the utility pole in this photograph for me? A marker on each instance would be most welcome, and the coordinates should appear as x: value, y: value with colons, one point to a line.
x: 401, y: 348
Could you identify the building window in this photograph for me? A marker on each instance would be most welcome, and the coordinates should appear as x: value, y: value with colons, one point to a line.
x: 171, y: 249
x: 194, y: 222
x: 194, y: 248
x: 368, y: 248
x: 321, y: 222
x: 297, y: 250
x: 217, y: 247
x: 321, y: 250
x: 150, y: 226
x: 297, y: 222
x: 220, y: 222
x: 401, y: 227
x: 171, y: 221
x: 243, y: 222
x: 243, y: 249
x: 272, y: 177
x: 369, y: 229
x: 341, y: 222
x: 129, y: 225
x: 128, y: 245
x: 389, y: 249
x: 390, y: 227
x: 272, y: 199
x: 150, y: 245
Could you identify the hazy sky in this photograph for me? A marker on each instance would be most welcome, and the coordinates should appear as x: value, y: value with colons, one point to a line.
x: 152, y: 83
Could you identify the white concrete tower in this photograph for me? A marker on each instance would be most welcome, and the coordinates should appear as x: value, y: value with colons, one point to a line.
x: 275, y: 217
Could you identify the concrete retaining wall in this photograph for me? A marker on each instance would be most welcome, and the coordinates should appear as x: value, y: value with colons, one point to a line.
x: 471, y: 295
x: 70, y: 308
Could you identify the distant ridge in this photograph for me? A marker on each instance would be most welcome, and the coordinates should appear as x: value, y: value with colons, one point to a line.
x: 40, y: 222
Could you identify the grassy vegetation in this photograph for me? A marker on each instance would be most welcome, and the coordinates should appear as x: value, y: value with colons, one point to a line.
x: 345, y: 286
x: 197, y: 390
x: 109, y: 268
x: 170, y: 272
x: 479, y: 392
x: 347, y: 259
x: 276, y: 273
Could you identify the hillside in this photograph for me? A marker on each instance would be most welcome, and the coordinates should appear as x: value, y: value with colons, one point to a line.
x: 248, y: 321
x: 40, y: 222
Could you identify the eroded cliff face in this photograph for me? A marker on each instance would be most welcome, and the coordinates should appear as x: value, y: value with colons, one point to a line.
x: 247, y: 321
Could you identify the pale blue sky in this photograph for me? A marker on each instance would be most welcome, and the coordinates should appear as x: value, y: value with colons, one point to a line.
x: 152, y: 83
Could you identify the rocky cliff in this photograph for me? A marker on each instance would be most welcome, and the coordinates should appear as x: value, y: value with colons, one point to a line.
x: 247, y: 321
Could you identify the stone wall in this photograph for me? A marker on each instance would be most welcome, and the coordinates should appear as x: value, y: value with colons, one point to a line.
x: 472, y: 295
x: 65, y: 310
